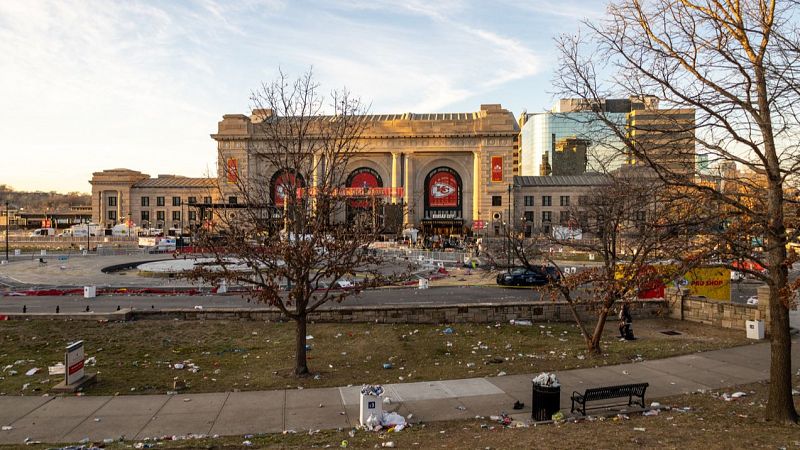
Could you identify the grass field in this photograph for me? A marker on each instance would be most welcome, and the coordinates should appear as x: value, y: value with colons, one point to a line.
x: 140, y: 357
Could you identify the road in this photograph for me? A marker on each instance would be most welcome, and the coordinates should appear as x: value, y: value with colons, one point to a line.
x: 388, y: 297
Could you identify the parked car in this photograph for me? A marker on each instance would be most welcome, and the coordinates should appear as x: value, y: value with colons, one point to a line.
x: 528, y: 276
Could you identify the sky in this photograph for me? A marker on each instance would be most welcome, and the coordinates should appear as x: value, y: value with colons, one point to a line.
x: 92, y: 85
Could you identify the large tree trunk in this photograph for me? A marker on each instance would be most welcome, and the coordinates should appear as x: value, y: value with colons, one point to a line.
x: 300, y: 365
x: 780, y: 404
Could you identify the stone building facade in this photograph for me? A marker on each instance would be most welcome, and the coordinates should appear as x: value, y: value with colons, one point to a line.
x: 453, y: 169
x: 124, y: 196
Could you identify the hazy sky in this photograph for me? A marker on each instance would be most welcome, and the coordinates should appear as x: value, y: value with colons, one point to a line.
x: 87, y: 86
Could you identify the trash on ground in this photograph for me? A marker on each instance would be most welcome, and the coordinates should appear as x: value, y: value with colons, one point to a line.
x: 651, y: 412
x: 639, y: 429
x: 448, y: 330
x: 524, y: 323
x: 32, y: 372
x: 558, y: 416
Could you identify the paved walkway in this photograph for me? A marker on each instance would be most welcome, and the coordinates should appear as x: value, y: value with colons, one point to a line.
x: 70, y: 419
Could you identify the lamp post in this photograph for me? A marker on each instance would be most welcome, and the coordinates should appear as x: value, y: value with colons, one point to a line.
x: 7, y: 220
x: 508, y: 228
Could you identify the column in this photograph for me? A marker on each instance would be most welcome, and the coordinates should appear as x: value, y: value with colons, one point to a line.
x: 395, y: 175
x: 476, y: 185
x: 315, y: 168
x: 408, y: 186
x: 119, y: 206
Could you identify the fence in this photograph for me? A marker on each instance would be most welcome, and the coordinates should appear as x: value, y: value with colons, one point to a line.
x: 425, y: 256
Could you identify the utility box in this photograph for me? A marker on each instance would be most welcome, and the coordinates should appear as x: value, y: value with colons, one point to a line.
x: 755, y: 329
x: 423, y: 283
x: 89, y: 291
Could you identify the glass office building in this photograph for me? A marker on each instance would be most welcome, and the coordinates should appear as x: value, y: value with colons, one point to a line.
x: 547, y: 133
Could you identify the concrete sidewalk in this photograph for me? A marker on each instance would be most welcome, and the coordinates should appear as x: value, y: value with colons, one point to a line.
x: 70, y: 419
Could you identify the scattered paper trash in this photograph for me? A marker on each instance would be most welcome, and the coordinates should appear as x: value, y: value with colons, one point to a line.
x: 32, y: 372
x: 387, y: 365
x: 651, y: 412
x: 7, y: 428
x: 639, y: 429
x: 448, y: 330
x: 524, y: 323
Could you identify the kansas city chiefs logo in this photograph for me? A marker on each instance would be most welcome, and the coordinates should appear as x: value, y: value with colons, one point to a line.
x: 441, y: 190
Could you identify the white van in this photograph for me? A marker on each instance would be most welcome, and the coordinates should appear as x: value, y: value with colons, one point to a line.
x: 41, y: 232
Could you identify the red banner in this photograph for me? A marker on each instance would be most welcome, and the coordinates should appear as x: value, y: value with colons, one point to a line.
x: 443, y: 190
x: 362, y: 181
x: 284, y: 181
x: 497, y: 168
x: 232, y: 170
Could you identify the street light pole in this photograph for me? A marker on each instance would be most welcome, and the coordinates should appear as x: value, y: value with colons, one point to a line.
x: 7, y: 219
x: 508, y: 228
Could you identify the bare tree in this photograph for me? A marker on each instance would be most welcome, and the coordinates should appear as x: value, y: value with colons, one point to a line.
x: 736, y: 65
x: 299, y: 237
x: 622, y: 225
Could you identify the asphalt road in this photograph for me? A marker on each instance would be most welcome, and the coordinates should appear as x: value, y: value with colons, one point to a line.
x: 407, y: 296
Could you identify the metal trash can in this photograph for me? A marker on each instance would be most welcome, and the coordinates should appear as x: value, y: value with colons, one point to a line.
x: 546, y: 401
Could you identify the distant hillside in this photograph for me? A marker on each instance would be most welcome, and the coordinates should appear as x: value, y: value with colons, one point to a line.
x: 34, y: 201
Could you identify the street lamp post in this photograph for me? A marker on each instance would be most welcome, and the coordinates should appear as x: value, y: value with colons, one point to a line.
x: 7, y: 220
x: 508, y: 228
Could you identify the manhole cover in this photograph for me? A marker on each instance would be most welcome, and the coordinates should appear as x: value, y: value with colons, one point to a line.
x: 670, y: 333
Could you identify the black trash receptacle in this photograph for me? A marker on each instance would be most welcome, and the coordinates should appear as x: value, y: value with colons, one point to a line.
x: 546, y: 401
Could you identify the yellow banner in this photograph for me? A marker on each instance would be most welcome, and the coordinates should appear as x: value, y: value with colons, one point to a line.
x: 713, y: 283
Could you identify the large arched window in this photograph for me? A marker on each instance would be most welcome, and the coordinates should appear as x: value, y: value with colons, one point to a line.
x: 284, y: 183
x: 443, y: 194
x: 366, y: 178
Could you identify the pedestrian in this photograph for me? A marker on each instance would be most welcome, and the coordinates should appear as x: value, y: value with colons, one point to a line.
x: 625, y: 323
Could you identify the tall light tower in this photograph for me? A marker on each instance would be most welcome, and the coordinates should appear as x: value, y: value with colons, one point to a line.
x: 7, y: 220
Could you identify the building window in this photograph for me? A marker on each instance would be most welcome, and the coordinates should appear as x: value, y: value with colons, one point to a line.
x: 160, y: 201
x: 176, y: 201
x: 112, y: 201
x: 207, y: 200
x: 112, y: 215
x: 145, y: 201
x: 145, y: 216
x: 564, y: 200
x: 528, y: 200
x: 528, y: 216
x: 641, y: 216
x: 192, y: 215
x: 564, y: 217
x: 232, y: 200
x: 547, y: 217
x: 176, y: 215
x: 547, y: 200
x: 497, y: 200
x: 192, y: 200
x: 160, y: 215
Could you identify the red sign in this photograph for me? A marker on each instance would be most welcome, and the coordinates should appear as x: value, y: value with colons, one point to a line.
x: 232, y: 170
x: 443, y: 190
x: 478, y: 225
x: 363, y: 180
x: 284, y: 183
x: 497, y: 168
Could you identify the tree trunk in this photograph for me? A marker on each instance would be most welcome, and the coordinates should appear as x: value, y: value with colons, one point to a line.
x: 780, y: 404
x: 300, y: 365
x: 594, y: 343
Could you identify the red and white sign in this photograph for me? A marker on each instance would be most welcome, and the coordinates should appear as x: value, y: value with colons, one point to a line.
x: 284, y: 184
x: 497, y: 168
x: 232, y: 170
x: 74, y: 360
x: 363, y: 179
x: 443, y: 190
x: 478, y: 225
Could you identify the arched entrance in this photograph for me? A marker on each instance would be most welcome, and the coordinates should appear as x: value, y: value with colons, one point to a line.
x: 443, y: 215
x: 284, y: 182
x: 364, y: 209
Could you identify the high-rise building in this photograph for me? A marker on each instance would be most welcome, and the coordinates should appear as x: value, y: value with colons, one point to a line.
x: 573, y: 124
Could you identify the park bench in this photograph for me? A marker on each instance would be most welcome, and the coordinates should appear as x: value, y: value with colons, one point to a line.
x: 609, y: 392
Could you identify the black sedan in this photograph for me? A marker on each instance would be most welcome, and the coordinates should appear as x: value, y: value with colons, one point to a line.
x: 522, y: 276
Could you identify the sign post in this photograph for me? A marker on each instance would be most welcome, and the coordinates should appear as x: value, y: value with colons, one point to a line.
x: 75, y: 377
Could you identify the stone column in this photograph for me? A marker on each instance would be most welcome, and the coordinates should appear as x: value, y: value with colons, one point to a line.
x: 119, y: 206
x: 476, y: 185
x: 408, y: 186
x: 395, y: 175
